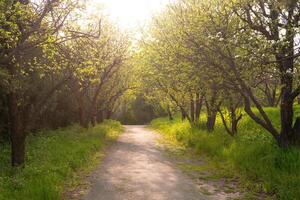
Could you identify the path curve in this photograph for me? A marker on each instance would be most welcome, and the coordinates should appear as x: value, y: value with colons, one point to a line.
x: 135, y: 169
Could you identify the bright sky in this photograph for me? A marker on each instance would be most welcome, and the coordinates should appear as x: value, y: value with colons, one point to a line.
x: 130, y: 13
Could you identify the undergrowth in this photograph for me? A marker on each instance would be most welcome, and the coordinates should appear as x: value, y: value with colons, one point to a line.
x: 54, y: 160
x: 253, y: 155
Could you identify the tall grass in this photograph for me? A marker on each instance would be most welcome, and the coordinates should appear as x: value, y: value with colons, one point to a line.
x: 54, y: 159
x: 253, y: 155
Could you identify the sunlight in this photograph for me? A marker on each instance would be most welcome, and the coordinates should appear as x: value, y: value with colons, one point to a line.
x: 131, y: 13
x: 216, y: 81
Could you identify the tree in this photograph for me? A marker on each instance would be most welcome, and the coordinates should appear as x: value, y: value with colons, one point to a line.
x: 232, y: 110
x: 249, y: 46
x: 277, y: 22
x: 98, y: 65
x: 41, y: 56
x: 28, y: 33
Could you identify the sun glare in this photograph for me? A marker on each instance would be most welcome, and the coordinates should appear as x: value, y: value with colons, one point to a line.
x: 130, y: 13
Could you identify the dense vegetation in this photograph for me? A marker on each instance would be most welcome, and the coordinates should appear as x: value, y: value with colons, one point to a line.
x: 226, y: 55
x: 56, y: 70
x: 139, y: 111
x: 252, y: 156
x: 223, y: 65
x: 56, y: 160
x: 213, y: 61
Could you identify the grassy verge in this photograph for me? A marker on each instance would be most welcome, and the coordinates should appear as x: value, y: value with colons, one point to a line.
x: 54, y: 161
x: 253, y: 157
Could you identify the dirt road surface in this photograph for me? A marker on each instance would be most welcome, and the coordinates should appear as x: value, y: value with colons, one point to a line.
x: 136, y: 169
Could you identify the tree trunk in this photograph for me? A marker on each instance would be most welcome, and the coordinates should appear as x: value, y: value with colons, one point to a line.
x: 270, y: 95
x: 81, y: 111
x: 183, y: 114
x: 192, y: 111
x: 17, y: 133
x: 212, y: 107
x: 211, y: 121
x: 271, y: 101
x: 199, y: 102
x: 286, y: 66
x: 286, y: 137
x: 235, y: 121
x: 234, y: 128
x: 100, y: 116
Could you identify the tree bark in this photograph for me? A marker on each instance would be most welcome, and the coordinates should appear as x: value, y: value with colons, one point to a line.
x: 286, y: 66
x: 234, y: 123
x: 192, y: 111
x: 81, y: 111
x: 183, y: 114
x: 16, y: 131
x: 211, y: 121
x: 270, y: 95
x: 199, y: 103
x: 286, y: 108
x: 212, y: 107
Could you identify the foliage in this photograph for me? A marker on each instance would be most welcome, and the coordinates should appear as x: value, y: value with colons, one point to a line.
x: 209, y: 51
x: 253, y: 156
x: 138, y: 111
x: 56, y: 71
x: 55, y: 160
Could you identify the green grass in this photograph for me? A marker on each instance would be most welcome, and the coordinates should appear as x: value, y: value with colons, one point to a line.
x: 54, y: 162
x: 253, y: 156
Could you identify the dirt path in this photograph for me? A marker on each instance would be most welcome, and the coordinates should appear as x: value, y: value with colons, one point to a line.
x: 135, y: 169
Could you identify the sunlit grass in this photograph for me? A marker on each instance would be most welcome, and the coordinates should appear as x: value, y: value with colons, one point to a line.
x: 253, y: 156
x: 54, y: 160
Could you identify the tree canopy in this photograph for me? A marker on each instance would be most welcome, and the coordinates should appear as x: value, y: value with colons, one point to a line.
x: 60, y: 65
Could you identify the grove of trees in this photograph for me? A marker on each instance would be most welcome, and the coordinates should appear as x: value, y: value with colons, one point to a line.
x: 57, y: 66
x: 225, y: 55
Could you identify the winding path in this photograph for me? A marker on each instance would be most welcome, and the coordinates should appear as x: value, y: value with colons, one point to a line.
x: 136, y: 169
